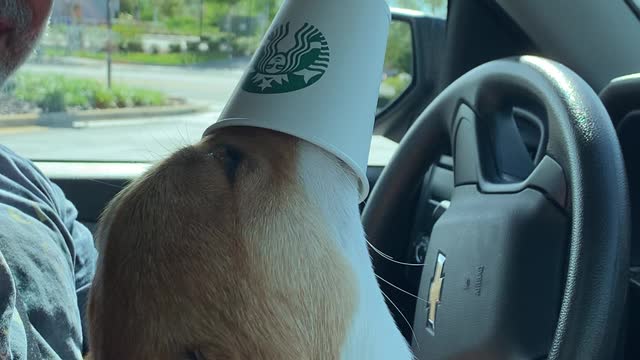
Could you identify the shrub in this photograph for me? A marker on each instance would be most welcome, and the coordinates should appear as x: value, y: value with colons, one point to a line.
x: 55, y: 93
x: 219, y: 39
x: 53, y: 101
x: 147, y: 13
x: 104, y: 99
x: 192, y: 46
x: 134, y: 46
x: 123, y: 97
x: 245, y: 45
x: 182, y: 23
x: 175, y: 48
x: 147, y: 98
x: 128, y: 30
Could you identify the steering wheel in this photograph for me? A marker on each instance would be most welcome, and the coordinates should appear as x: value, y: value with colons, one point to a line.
x: 531, y: 258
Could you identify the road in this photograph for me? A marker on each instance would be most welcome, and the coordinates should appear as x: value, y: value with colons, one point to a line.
x: 145, y: 139
x: 210, y: 85
x: 142, y: 139
x: 206, y: 85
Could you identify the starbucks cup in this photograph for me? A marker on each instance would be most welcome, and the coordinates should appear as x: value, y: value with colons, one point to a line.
x: 316, y: 76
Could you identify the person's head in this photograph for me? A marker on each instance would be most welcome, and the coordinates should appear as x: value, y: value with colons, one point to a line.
x: 21, y: 23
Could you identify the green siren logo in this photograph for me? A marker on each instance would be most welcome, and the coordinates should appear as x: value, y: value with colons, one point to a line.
x: 278, y: 69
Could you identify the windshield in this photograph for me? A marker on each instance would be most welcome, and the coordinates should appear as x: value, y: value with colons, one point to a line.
x: 147, y: 77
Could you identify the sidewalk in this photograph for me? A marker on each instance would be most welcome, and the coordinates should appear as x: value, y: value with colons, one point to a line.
x: 235, y: 63
x: 70, y: 119
x: 207, y: 84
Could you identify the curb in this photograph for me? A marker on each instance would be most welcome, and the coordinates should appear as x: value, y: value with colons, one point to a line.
x: 66, y: 119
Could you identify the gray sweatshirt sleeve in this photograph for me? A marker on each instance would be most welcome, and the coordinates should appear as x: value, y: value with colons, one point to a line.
x: 47, y: 262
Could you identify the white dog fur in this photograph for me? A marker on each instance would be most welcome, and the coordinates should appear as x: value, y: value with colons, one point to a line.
x: 373, y: 333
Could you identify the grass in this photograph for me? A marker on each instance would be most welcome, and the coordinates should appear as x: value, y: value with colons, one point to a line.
x: 56, y: 93
x: 172, y: 26
x: 169, y: 59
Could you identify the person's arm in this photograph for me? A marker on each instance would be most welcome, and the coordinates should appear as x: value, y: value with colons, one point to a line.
x: 85, y: 254
x: 30, y: 182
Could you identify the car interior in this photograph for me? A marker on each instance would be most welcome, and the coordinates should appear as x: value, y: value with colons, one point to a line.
x: 594, y: 38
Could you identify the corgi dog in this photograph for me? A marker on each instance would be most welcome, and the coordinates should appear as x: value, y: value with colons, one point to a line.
x: 246, y: 245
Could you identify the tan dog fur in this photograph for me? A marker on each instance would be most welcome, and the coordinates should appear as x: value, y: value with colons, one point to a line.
x: 236, y: 267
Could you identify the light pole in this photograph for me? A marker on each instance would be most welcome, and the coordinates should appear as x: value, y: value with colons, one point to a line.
x: 268, y: 10
x: 109, y: 43
x: 201, y: 17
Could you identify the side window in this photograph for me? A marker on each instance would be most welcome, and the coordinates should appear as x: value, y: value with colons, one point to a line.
x: 133, y: 80
x: 398, y: 64
x: 403, y: 47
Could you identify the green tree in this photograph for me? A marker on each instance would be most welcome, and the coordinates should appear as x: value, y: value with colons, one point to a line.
x: 410, y: 4
x: 171, y: 8
x: 436, y: 4
x: 399, y: 56
x: 128, y: 6
x: 422, y: 5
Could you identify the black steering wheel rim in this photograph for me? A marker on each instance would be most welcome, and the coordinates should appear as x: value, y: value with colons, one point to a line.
x: 581, y: 141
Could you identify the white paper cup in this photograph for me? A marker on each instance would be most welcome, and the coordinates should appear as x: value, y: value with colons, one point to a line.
x: 316, y: 76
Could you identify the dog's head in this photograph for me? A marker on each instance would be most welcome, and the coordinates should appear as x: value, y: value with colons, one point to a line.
x: 219, y: 252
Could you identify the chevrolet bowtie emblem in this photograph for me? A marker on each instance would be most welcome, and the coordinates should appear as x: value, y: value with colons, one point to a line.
x: 435, y: 292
